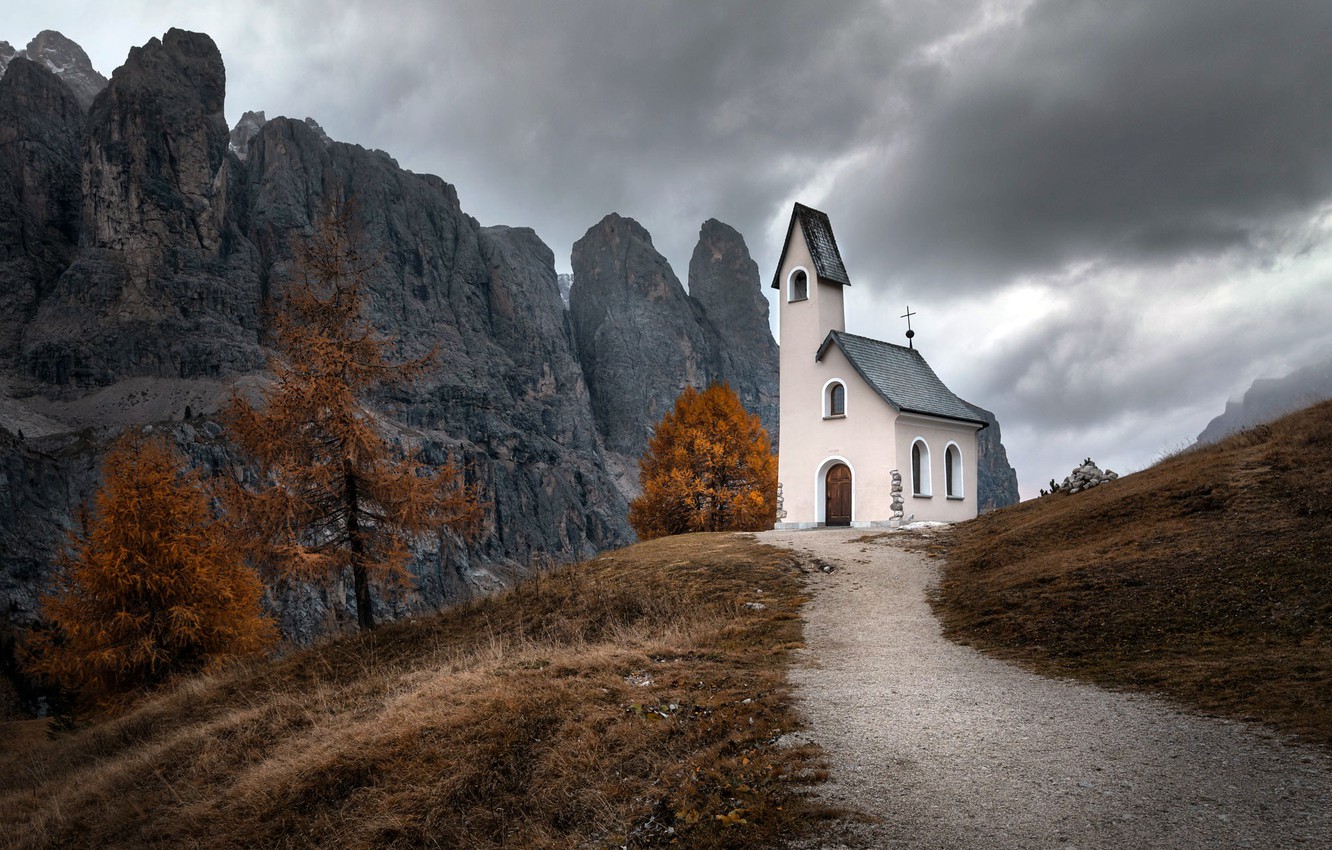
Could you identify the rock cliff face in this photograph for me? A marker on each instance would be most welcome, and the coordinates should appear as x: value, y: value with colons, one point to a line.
x: 143, y: 299
x: 41, y: 133
x: 996, y: 480
x: 7, y: 54
x: 641, y: 339
x: 244, y: 132
x: 724, y: 279
x: 163, y: 285
x: 63, y: 58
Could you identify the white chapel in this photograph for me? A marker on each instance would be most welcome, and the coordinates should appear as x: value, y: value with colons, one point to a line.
x: 870, y: 435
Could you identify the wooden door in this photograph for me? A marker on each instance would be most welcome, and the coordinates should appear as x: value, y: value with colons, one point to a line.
x: 838, y: 502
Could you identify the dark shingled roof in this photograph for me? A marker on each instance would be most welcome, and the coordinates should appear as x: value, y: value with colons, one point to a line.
x: 901, y: 376
x: 822, y: 244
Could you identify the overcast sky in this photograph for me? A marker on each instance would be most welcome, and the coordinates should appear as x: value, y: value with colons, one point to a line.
x: 1109, y: 216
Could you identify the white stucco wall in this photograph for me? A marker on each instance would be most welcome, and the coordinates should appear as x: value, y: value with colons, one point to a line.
x: 862, y: 439
x: 872, y: 439
x: 937, y: 435
x: 803, y: 325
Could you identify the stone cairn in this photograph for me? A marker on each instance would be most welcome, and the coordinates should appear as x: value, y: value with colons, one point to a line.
x: 1084, y: 477
x: 897, y: 505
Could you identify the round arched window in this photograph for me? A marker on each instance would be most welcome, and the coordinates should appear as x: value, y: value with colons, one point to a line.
x: 836, y: 400
x: 920, y: 468
x: 953, y: 471
x: 799, y: 289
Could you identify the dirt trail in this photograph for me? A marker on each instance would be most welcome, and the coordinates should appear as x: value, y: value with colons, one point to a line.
x: 953, y: 749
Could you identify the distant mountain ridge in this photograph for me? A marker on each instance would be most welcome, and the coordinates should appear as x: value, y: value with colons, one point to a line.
x: 1267, y: 399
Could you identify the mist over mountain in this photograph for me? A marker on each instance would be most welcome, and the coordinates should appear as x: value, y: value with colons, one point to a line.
x: 1270, y: 398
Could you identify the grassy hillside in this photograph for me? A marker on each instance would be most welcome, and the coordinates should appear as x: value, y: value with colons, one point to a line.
x: 1207, y: 577
x: 635, y: 699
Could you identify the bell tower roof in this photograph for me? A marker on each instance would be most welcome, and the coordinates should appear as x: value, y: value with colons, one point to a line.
x: 818, y: 233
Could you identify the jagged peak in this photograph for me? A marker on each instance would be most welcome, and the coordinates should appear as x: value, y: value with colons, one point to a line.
x: 244, y: 132
x: 63, y: 57
x: 613, y: 222
x: 723, y: 274
x: 181, y: 60
x: 714, y: 226
x: 319, y: 131
x: 58, y: 52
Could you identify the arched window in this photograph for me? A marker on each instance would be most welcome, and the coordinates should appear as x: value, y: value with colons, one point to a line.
x: 920, y: 468
x: 834, y: 399
x: 799, y: 286
x: 953, y: 471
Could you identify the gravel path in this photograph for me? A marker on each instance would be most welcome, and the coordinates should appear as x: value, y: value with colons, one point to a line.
x: 952, y: 749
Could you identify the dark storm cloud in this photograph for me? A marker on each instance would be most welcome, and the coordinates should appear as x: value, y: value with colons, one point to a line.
x: 1117, y: 355
x: 1127, y: 130
x: 671, y: 112
x: 1084, y: 129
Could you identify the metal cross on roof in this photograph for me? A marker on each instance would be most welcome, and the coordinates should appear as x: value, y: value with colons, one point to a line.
x: 910, y: 334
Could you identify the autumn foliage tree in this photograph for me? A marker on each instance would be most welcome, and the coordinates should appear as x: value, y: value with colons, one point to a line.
x: 151, y: 588
x: 334, y: 495
x: 708, y: 467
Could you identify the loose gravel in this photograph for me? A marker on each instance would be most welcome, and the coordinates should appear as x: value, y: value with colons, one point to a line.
x: 947, y: 748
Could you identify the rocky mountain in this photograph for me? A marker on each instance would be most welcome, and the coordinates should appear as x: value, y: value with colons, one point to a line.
x: 1271, y: 398
x: 163, y: 282
x: 63, y: 58
x: 244, y: 132
x: 724, y: 279
x: 641, y: 338
x: 41, y: 201
x: 996, y: 479
x: 139, y: 252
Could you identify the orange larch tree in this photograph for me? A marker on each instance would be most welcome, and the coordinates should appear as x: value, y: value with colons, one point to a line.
x: 151, y: 588
x: 333, y: 494
x: 708, y: 467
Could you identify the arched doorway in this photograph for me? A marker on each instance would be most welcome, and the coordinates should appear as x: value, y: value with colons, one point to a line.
x: 837, y: 505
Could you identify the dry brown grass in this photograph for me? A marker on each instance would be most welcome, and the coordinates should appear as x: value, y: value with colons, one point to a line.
x: 1207, y: 577
x: 632, y: 700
